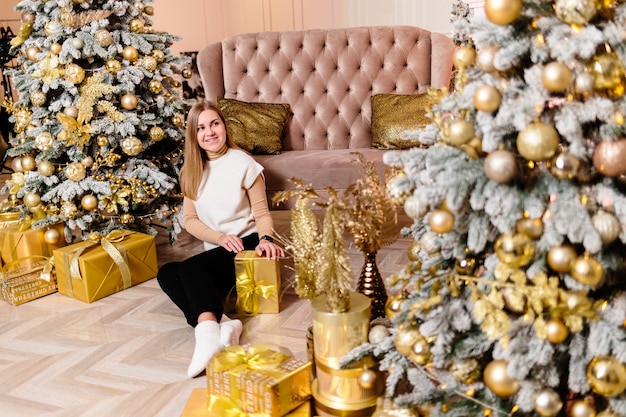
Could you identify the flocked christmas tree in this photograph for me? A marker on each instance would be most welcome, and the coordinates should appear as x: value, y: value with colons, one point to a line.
x: 514, y: 301
x: 98, y: 123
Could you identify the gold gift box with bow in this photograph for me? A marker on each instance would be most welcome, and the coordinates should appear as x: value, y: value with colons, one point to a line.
x: 18, y: 244
x: 257, y: 283
x: 94, y: 269
x: 260, y: 379
x: 26, y: 280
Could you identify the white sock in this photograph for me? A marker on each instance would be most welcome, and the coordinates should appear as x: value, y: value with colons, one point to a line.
x: 207, y: 345
x: 230, y: 331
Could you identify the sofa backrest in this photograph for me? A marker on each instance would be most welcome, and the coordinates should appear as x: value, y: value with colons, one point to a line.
x: 326, y: 76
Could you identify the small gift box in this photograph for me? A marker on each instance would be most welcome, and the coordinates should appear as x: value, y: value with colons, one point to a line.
x: 257, y: 283
x: 18, y: 244
x: 25, y: 280
x: 260, y: 379
x: 91, y: 270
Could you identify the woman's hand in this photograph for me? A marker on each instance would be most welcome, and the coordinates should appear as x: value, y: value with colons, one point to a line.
x: 269, y: 249
x: 231, y: 243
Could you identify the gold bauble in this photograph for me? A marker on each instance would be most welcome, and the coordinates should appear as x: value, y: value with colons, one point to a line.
x: 533, y: 228
x: 547, y: 402
x: 22, y: 120
x: 413, y: 251
x: 31, y: 199
x: 50, y: 28
x: 377, y: 334
x: 77, y: 43
x: 89, y: 202
x: 68, y: 209
x: 420, y: 352
x: 609, y: 157
x: 31, y: 53
x: 496, y: 378
x: 406, y: 336
x: 514, y: 250
x: 581, y: 408
x: 45, y: 168
x: 139, y: 6
x: 556, y: 77
x: 486, y: 57
x: 465, y: 266
x: 113, y: 66
x: 16, y: 164
x: 130, y: 54
x: 556, y: 330
x: 71, y: 111
x: 560, y: 258
x: 576, y: 12
x: 460, y: 131
x: 155, y: 86
x: 51, y: 236
x: 587, y: 270
x: 129, y: 101
x: 177, y: 121
x: 75, y: 171
x: 398, y: 194
x: 136, y: 25
x: 607, y: 70
x: 514, y: 301
x: 538, y: 142
x: 429, y: 242
x: 103, y: 37
x: 28, y: 17
x: 465, y: 370
x: 502, y: 12
x: 487, y: 98
x: 28, y: 163
x: 367, y: 379
x: 131, y: 146
x: 393, y: 305
x: 66, y: 18
x: 44, y: 141
x: 464, y: 57
x: 414, y: 208
x: 74, y: 73
x: 159, y: 55
x: 500, y: 166
x: 127, y: 218
x: 441, y: 221
x: 186, y: 73
x: 564, y: 166
x: 87, y: 161
x: 584, y: 83
x: 38, y: 98
x: 607, y: 226
x: 607, y: 376
x: 156, y: 133
x: 149, y: 63
x: 102, y: 140
x: 149, y: 10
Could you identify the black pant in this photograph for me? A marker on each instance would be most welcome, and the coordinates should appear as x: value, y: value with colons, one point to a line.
x: 201, y: 283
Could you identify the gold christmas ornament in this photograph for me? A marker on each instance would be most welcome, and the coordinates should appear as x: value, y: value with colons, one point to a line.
x: 533, y: 228
x: 514, y: 301
x: 606, y: 224
x: 607, y: 376
x: 564, y: 166
x: 89, y: 202
x: 397, y: 195
x: 538, y: 142
x: 74, y: 73
x: 68, y: 209
x: 75, y: 171
x: 50, y: 28
x: 45, y: 168
x: 177, y: 121
x: 149, y: 63
x: 496, y: 378
x: 576, y: 12
x: 159, y: 55
x: 149, y: 10
x: 87, y: 161
x: 556, y: 77
x: 560, y: 258
x: 71, y: 111
x: 581, y: 408
x: 430, y: 242
x: 406, y: 336
x: 503, y: 12
x: 487, y: 98
x: 584, y: 83
x: 186, y: 73
x: 44, y: 141
x: 28, y: 17
x: 51, y: 236
x: 16, y: 164
x: 514, y: 250
x: 414, y: 208
x: 441, y: 221
x: 393, y: 306
x: 139, y: 6
x: 28, y: 163
x: 103, y: 37
x: 465, y: 266
x: 66, y: 18
x: 155, y: 86
x: 378, y: 332
x: 131, y: 146
x: 31, y: 53
x: 31, y: 199
x: 38, y: 98
x: 486, y: 57
x: 609, y: 157
x: 156, y: 133
x: 129, y: 101
x: 607, y: 71
x: 127, y: 218
x: 102, y: 140
x: 500, y: 166
x: 460, y: 131
x: 464, y: 57
x: 113, y: 66
x: 547, y: 402
x: 556, y: 331
x: 367, y: 379
x: 587, y: 270
x: 413, y: 251
x: 465, y: 370
x: 420, y: 352
x: 136, y: 25
x: 77, y: 43
x: 130, y: 53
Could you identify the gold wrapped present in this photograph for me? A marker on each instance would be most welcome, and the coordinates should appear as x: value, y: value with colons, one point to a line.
x: 19, y: 244
x: 201, y: 404
x: 93, y: 269
x: 260, y: 379
x: 27, y: 279
x: 257, y: 283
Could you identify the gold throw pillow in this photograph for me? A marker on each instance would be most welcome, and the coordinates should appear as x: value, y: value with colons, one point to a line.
x: 255, y: 127
x: 393, y: 114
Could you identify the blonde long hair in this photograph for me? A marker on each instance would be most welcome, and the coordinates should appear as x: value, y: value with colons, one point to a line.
x: 195, y: 158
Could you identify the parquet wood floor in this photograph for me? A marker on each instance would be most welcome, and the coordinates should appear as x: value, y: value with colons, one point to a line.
x: 127, y: 355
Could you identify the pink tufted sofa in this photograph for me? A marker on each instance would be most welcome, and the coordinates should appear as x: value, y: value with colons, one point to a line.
x: 328, y: 78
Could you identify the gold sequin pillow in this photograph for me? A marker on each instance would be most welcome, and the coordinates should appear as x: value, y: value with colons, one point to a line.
x: 393, y: 114
x: 255, y: 127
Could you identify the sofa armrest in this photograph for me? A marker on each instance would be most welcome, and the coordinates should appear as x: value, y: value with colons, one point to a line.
x: 442, y: 51
x: 211, y: 70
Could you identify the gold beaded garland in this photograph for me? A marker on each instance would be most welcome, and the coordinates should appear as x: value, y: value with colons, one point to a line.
x: 487, y: 98
x: 496, y: 378
x: 538, y: 141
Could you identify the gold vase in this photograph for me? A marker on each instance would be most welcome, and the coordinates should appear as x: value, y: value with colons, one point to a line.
x: 371, y: 284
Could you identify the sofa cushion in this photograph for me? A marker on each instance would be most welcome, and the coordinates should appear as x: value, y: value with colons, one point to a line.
x: 393, y: 115
x: 255, y: 127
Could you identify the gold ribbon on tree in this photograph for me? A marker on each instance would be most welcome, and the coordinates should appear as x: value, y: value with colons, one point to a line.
x: 248, y: 290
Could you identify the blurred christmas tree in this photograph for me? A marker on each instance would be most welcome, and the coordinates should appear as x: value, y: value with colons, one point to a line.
x: 514, y: 302
x: 98, y: 126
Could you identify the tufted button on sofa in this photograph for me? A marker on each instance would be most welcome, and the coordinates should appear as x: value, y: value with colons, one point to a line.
x: 328, y: 78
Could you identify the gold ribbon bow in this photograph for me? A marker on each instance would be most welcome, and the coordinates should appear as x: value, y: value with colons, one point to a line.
x: 46, y: 265
x: 260, y: 357
x: 249, y: 291
x: 224, y: 407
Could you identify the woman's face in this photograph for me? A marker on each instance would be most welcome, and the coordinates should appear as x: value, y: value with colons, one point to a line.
x: 211, y: 131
